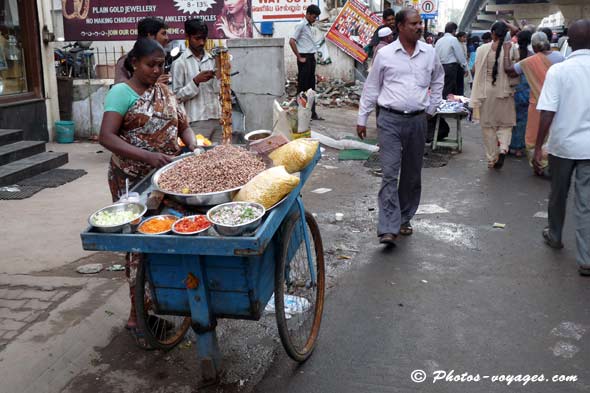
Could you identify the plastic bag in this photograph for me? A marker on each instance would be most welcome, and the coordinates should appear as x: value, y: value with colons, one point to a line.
x: 305, y: 102
x: 343, y: 144
x: 268, y: 187
x: 295, y: 155
x: 280, y: 121
x: 323, y: 55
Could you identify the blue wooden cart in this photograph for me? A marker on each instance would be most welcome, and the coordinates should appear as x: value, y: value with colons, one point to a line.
x: 192, y: 281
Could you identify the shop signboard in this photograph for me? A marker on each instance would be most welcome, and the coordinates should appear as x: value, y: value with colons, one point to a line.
x: 280, y: 10
x: 353, y: 29
x: 428, y: 9
x: 111, y: 20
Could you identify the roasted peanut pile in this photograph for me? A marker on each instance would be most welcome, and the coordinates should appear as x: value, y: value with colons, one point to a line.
x: 221, y: 168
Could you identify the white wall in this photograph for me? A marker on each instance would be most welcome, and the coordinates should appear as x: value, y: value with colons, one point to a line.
x: 342, y: 66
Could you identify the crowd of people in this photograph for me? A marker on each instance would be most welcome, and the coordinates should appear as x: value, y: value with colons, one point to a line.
x: 525, y: 96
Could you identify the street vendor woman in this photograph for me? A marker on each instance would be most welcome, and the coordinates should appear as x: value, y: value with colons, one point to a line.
x: 141, y: 125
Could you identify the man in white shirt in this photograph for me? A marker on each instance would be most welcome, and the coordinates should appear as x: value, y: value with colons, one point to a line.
x: 565, y: 94
x: 196, y: 82
x: 452, y: 57
x: 303, y: 46
x: 406, y: 82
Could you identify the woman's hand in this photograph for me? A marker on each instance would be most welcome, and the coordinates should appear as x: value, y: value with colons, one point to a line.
x: 157, y: 160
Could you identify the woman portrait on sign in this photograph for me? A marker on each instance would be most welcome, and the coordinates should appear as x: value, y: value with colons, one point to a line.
x: 234, y: 20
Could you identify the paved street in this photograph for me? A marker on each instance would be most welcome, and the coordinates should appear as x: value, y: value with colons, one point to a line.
x: 457, y: 295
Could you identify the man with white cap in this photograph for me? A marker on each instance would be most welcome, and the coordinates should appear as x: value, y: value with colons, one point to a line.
x: 385, y: 38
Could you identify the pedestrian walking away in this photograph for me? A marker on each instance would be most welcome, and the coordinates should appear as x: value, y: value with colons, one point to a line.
x: 304, y: 48
x: 196, y: 83
x: 464, y: 72
x: 492, y: 97
x: 399, y: 84
x: 567, y: 84
x: 535, y: 69
x: 521, y: 91
x: 452, y: 57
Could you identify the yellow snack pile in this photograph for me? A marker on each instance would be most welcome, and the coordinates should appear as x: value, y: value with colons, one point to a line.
x: 268, y: 187
x: 295, y: 155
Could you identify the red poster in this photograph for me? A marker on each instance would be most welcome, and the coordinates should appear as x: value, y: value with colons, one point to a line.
x: 353, y: 29
x: 109, y: 20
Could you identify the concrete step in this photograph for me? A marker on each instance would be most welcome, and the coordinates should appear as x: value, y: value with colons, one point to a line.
x: 10, y: 136
x: 19, y: 150
x: 14, y: 171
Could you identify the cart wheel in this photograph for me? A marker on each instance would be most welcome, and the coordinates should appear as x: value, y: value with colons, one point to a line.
x: 293, y: 282
x: 161, y: 331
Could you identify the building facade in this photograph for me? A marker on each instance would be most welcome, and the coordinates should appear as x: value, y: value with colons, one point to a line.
x: 28, y: 93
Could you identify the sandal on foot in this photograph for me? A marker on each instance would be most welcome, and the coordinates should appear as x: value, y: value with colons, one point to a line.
x: 500, y: 163
x: 584, y: 271
x: 406, y: 229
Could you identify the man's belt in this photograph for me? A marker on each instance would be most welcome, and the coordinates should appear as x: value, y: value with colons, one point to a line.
x: 402, y: 113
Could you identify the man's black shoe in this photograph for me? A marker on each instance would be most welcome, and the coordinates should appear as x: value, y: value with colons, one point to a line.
x: 388, y: 238
x: 550, y: 241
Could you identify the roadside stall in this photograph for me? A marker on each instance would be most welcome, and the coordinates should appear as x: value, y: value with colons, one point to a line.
x: 221, y: 230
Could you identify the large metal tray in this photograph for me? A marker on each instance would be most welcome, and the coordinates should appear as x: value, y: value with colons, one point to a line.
x: 206, y: 199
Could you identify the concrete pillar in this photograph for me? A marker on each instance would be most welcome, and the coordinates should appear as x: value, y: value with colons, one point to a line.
x: 48, y: 65
x: 532, y: 13
x: 573, y: 9
x: 256, y: 90
x: 489, y: 18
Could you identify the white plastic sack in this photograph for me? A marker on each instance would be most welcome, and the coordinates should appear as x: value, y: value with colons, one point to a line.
x: 293, y: 305
x: 305, y: 102
x: 280, y: 121
x: 343, y: 144
x: 323, y: 55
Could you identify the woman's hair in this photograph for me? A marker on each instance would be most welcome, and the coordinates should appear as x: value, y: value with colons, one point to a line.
x: 524, y: 40
x: 540, y: 42
x: 500, y: 29
x: 143, y: 47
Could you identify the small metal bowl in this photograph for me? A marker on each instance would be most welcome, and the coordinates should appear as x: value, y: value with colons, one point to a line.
x: 157, y: 218
x: 137, y: 208
x: 189, y: 233
x: 236, y: 230
x: 258, y: 135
